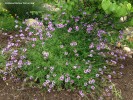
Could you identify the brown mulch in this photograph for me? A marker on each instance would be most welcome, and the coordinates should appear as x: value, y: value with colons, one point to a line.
x: 12, y: 90
x: 125, y: 83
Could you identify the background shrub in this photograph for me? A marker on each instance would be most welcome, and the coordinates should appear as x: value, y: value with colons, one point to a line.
x: 23, y: 10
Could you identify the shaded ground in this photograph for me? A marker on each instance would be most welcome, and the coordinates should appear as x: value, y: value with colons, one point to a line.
x: 125, y: 83
x: 12, y: 90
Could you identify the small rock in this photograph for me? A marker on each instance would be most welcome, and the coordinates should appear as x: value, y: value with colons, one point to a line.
x: 127, y: 49
x: 123, y: 19
x: 118, y: 45
x: 50, y: 7
x: 34, y: 23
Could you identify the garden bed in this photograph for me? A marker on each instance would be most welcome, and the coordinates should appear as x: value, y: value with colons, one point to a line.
x: 14, y: 90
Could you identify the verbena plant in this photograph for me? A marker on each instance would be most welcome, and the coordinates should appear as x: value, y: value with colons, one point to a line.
x: 71, y: 55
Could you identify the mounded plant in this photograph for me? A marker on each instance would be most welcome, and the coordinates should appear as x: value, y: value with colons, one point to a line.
x: 71, y: 55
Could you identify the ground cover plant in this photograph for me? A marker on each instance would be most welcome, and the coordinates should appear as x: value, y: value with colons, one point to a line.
x: 70, y: 56
x: 71, y: 52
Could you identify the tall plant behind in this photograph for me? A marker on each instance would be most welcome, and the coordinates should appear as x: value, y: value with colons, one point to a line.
x: 22, y: 10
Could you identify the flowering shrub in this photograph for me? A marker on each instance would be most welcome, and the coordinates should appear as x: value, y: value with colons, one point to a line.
x: 63, y: 56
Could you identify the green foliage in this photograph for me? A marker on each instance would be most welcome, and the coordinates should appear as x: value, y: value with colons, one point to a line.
x: 73, y: 55
x: 41, y: 68
x: 7, y: 23
x: 2, y: 61
x: 3, y: 12
x: 117, y: 9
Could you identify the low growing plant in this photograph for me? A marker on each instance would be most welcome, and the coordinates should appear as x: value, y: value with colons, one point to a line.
x: 71, y: 55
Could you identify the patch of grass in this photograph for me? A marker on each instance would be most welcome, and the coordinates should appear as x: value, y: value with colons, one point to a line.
x: 7, y: 23
x: 116, y: 92
x: 128, y: 43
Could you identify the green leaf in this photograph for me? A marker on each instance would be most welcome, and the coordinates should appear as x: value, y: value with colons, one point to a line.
x: 129, y: 6
x: 106, y: 4
x: 121, y: 11
x: 69, y: 8
x: 113, y: 7
x: 131, y: 22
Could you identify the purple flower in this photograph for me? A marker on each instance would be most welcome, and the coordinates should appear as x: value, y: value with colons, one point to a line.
x: 74, y: 67
x: 98, y: 47
x: 87, y: 71
x: 66, y: 63
x: 49, y: 90
x: 77, y: 54
x: 24, y: 50
x: 120, y: 36
x: 51, y: 86
x: 93, y: 81
x: 97, y: 75
x: 78, y: 77
x: 67, y: 79
x: 34, y: 39
x: 112, y: 53
x: 4, y: 78
x: 100, y: 32
x: 91, y: 45
x: 54, y: 75
x: 61, y: 46
x: 81, y: 93
x: 73, y: 43
x: 45, y: 54
x: 76, y: 19
x: 84, y: 13
x: 110, y: 87
x: 51, y: 68
x: 31, y: 77
x: 122, y: 66
x: 89, y: 28
x: 44, y: 84
x: 47, y: 81
x: 46, y: 18
x: 16, y: 21
x: 48, y: 34
x: 20, y: 62
x: 109, y: 76
x: 33, y: 45
x: 63, y: 13
x: 70, y: 29
x: 72, y: 81
x: 65, y: 53
x: 85, y: 84
x: 121, y: 32
x: 93, y: 87
x: 90, y: 55
x: 76, y: 28
x: 62, y: 77
x: 60, y: 25
x: 16, y: 26
x: 114, y: 62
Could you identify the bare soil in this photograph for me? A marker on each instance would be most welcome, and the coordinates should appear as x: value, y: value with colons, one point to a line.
x: 125, y: 83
